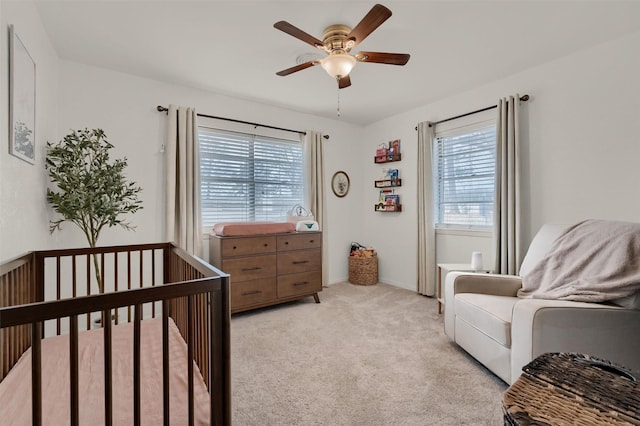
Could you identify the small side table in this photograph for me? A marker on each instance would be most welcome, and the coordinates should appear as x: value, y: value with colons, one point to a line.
x: 443, y: 270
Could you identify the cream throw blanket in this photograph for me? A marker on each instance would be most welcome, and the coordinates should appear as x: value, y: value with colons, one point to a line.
x: 593, y: 261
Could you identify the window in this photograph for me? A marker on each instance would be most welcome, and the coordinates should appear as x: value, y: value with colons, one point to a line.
x: 247, y: 177
x: 464, y: 176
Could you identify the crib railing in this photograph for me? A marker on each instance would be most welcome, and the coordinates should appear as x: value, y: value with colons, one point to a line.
x: 198, y: 329
x: 59, y: 286
x: 17, y: 287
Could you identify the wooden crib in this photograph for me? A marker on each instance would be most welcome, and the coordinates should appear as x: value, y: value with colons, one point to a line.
x: 48, y: 295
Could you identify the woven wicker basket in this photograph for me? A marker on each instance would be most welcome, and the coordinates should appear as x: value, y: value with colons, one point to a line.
x: 363, y: 270
x: 571, y: 389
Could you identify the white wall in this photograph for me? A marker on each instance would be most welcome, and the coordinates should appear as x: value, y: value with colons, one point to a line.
x: 23, y: 208
x: 124, y: 106
x: 580, y: 150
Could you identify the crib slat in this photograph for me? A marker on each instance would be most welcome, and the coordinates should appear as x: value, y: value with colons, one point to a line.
x: 128, y: 283
x: 88, y: 289
x: 58, y: 295
x: 73, y: 370
x: 190, y: 356
x: 165, y: 361
x: 36, y: 373
x: 153, y: 280
x: 141, y: 268
x: 137, y: 316
x: 115, y: 280
x: 214, y: 374
x: 140, y: 271
x: 108, y: 362
x: 74, y: 282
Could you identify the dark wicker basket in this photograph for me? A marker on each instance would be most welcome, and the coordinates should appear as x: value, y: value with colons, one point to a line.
x: 568, y: 388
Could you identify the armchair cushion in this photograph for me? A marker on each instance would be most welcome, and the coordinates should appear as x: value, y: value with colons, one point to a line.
x: 540, y: 245
x: 629, y: 302
x: 491, y: 314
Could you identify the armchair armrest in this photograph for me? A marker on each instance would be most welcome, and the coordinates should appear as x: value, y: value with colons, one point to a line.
x: 608, y: 332
x: 495, y: 284
x: 466, y: 282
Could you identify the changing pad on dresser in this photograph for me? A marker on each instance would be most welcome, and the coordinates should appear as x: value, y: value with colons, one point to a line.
x: 236, y: 229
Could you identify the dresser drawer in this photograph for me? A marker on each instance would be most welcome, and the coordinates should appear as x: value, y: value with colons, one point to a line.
x: 252, y: 292
x: 301, y: 241
x: 295, y: 284
x: 246, y: 246
x: 294, y: 262
x: 250, y: 267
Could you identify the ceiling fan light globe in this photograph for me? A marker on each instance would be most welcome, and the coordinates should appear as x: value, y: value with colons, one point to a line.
x: 338, y: 65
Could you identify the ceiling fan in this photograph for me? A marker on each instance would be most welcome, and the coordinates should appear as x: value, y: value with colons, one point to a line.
x: 338, y: 40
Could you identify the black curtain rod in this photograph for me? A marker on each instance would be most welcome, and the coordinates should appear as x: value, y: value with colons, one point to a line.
x: 523, y: 98
x: 160, y: 108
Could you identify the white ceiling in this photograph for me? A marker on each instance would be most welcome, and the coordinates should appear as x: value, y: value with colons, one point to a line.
x: 231, y: 47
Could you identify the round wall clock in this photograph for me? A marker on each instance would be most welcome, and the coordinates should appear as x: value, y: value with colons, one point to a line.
x: 340, y: 183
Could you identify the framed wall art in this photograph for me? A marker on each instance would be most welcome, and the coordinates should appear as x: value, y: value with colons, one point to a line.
x: 22, y: 100
x: 340, y: 183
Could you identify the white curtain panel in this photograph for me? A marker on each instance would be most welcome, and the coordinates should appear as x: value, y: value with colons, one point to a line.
x: 426, y: 229
x: 315, y: 190
x: 183, y: 221
x: 506, y: 227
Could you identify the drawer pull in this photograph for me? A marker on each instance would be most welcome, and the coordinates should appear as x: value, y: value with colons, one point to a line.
x: 266, y: 244
x: 234, y: 247
x: 300, y: 283
x: 300, y: 262
x: 311, y: 241
x: 255, y: 268
x: 286, y: 243
x: 249, y: 293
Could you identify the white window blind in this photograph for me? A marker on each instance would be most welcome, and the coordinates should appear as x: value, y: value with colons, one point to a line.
x: 464, y: 176
x: 247, y: 177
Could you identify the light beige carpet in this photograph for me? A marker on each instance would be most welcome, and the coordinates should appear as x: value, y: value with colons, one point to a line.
x: 366, y: 355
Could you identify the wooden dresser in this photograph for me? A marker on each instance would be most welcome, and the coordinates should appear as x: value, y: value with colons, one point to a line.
x: 269, y: 269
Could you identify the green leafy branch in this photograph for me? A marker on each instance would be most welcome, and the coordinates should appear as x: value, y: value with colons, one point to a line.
x: 91, y: 191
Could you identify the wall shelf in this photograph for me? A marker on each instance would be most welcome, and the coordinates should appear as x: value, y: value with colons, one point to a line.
x: 388, y: 183
x: 387, y: 208
x: 388, y: 200
x: 379, y: 159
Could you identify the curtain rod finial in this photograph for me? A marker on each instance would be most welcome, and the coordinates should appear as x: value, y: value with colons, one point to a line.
x: 160, y: 108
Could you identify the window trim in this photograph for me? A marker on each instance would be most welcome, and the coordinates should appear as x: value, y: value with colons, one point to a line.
x: 277, y: 136
x: 467, y: 124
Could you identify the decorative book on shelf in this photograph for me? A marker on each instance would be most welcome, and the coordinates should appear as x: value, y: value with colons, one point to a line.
x: 388, y: 201
x: 386, y: 153
x: 388, y: 178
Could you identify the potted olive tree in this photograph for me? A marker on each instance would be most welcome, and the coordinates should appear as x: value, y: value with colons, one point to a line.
x: 90, y: 191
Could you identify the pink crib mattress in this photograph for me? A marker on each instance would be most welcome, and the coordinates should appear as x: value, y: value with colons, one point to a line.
x: 15, y: 389
x: 238, y: 229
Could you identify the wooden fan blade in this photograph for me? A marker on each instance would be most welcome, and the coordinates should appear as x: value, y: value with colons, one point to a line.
x: 298, y: 33
x: 372, y: 20
x: 383, y: 58
x: 344, y: 82
x: 297, y: 68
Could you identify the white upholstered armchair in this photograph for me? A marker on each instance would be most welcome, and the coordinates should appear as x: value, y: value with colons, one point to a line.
x: 504, y: 332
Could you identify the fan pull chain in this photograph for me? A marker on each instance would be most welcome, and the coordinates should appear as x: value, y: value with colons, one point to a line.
x: 338, y: 102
